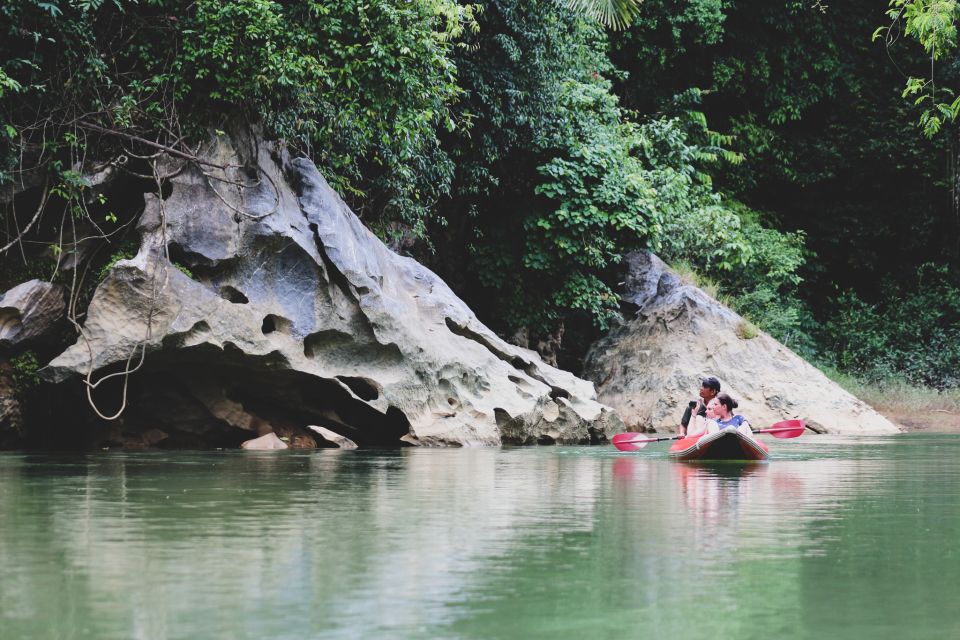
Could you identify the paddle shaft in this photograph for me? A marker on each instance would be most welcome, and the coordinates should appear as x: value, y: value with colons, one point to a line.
x: 657, y: 439
x: 787, y: 432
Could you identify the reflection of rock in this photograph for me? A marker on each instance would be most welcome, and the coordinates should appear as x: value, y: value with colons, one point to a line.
x: 294, y: 314
x: 651, y: 366
x: 30, y: 311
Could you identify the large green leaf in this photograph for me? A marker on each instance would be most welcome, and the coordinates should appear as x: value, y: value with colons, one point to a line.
x: 616, y: 14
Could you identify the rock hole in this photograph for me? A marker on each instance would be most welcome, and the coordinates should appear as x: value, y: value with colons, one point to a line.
x: 272, y: 322
x: 269, y: 325
x: 179, y: 340
x: 363, y: 388
x: 331, y: 343
x: 597, y: 436
x: 233, y: 295
x: 557, y: 392
x: 181, y: 257
x: 317, y: 343
x: 545, y: 439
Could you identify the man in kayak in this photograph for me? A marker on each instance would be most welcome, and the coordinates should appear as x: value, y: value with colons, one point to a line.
x: 709, y: 388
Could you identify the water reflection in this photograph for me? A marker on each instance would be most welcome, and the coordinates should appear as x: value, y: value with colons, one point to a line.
x: 715, y: 495
x: 149, y: 538
x: 546, y: 542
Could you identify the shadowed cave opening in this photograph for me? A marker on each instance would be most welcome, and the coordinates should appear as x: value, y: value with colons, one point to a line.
x: 188, y: 399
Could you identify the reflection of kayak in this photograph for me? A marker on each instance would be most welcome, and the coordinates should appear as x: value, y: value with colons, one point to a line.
x: 727, y: 444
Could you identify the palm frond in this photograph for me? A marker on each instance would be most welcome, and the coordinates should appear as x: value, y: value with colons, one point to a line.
x: 614, y: 14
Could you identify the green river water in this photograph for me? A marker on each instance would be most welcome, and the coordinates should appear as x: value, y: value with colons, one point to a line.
x: 833, y: 538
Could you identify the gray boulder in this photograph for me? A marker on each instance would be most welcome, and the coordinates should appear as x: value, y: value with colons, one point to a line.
x: 651, y: 366
x: 259, y: 303
x: 30, y: 311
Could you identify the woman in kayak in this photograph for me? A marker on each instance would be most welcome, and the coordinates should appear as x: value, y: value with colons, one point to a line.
x: 699, y: 424
x: 725, y: 418
x: 719, y: 416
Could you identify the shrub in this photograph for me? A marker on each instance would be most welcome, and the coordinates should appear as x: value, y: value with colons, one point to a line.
x: 911, y: 333
x: 24, y: 374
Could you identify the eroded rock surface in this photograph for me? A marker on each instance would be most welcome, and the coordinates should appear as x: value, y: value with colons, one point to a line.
x: 29, y: 312
x: 284, y: 311
x: 651, y: 366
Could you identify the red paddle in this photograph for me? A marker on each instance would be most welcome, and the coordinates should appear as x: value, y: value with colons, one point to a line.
x: 785, y: 429
x: 637, y: 441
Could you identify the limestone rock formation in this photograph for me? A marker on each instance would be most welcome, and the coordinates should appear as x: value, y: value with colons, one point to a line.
x: 30, y: 311
x: 259, y: 303
x: 651, y: 366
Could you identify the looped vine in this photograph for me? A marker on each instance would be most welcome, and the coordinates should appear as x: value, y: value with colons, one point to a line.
x: 73, y: 189
x: 158, y: 272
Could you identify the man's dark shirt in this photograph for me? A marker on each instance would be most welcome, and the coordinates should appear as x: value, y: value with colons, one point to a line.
x: 685, y: 420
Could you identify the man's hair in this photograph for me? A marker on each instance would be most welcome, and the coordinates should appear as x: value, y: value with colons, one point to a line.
x: 711, y: 383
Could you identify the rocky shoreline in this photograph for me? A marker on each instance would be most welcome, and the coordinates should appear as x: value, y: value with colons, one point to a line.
x: 257, y: 303
x: 256, y: 308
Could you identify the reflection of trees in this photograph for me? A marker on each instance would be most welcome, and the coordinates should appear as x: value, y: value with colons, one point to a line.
x: 471, y: 543
x: 239, y: 544
x: 678, y: 551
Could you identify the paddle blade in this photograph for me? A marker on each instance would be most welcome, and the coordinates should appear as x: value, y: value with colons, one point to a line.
x: 631, y: 446
x: 631, y: 441
x: 786, y: 429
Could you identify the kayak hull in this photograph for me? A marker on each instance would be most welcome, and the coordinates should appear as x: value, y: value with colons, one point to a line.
x: 727, y: 444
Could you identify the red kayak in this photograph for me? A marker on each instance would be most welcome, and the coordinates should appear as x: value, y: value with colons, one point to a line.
x: 726, y: 444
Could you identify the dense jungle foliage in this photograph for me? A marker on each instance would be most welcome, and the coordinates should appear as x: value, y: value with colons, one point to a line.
x: 519, y: 148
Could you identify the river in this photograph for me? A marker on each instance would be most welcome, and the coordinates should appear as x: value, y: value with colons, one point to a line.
x: 833, y: 538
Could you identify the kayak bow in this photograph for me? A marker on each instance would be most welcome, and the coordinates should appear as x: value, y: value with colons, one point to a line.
x: 726, y: 444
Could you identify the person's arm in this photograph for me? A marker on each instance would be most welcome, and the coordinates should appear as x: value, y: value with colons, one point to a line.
x: 685, y: 420
x: 698, y: 425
